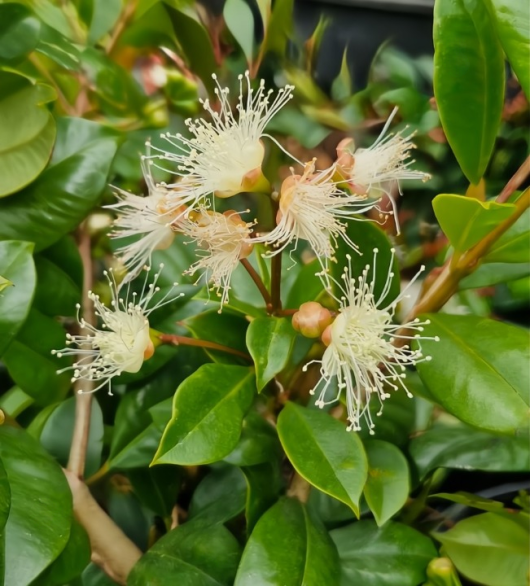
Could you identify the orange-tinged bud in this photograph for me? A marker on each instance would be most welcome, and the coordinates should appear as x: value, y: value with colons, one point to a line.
x: 149, y: 350
x: 312, y: 319
x: 326, y: 336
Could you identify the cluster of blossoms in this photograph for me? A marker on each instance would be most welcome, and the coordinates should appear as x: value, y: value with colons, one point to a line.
x: 221, y: 158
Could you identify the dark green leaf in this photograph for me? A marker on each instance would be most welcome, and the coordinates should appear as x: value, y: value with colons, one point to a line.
x: 74, y: 558
x: 95, y: 576
x: 465, y: 221
x: 208, y: 411
x: 469, y: 92
x: 307, y: 286
x: 38, y: 526
x: 28, y: 131
x: 196, y: 45
x: 367, y: 236
x: 220, y: 496
x: 56, y: 293
x: 193, y: 554
x: 5, y: 497
x: 288, y: 547
x: 329, y: 510
x: 33, y: 345
x: 324, y: 453
x: 387, y: 486
x: 16, y: 265
x: 486, y: 381
x: 19, y: 31
x: 258, y: 443
x: 512, y: 20
x: 240, y: 23
x: 372, y: 556
x: 67, y: 190
x: 490, y: 548
x: 157, y: 488
x: 460, y: 446
x: 57, y: 433
x: 270, y: 341
x: 263, y: 489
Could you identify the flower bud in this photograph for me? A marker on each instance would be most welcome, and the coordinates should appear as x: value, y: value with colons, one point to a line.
x: 441, y: 572
x: 311, y: 319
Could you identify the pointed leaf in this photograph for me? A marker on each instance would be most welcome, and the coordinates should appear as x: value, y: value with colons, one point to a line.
x: 324, y: 453
x: 240, y: 22
x: 208, y: 411
x: 486, y: 381
x: 387, y: 486
x: 469, y: 92
x: 270, y: 341
x: 288, y: 547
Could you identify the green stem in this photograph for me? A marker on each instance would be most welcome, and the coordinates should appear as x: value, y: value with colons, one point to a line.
x: 175, y: 340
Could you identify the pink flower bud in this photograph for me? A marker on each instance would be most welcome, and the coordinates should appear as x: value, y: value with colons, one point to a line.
x: 311, y: 319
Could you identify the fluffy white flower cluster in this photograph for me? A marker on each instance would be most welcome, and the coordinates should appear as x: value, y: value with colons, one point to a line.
x: 223, y: 157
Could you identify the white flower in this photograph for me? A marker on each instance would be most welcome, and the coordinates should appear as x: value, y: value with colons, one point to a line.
x: 376, y: 169
x: 312, y: 208
x: 122, y: 344
x: 149, y: 217
x: 223, y: 240
x: 224, y: 155
x: 361, y: 356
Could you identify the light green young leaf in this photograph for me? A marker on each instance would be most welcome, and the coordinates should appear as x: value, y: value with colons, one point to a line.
x: 465, y: 221
x: 240, y: 22
x: 490, y: 549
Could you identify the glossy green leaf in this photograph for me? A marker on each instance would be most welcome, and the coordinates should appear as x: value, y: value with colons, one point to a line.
x: 223, y: 328
x: 512, y: 246
x: 263, y: 490
x: 493, y: 273
x: 490, y: 548
x: 67, y: 190
x: 28, y: 131
x: 240, y: 22
x: 5, y: 497
x: 95, y: 576
x: 367, y: 236
x: 220, y: 496
x: 157, y: 488
x: 270, y: 341
x: 63, y: 19
x: 306, y: 287
x: 387, y: 486
x: 465, y: 221
x: 33, y: 345
x: 56, y: 293
x: 288, y: 547
x: 512, y: 21
x: 465, y: 448
x: 19, y: 31
x: 469, y: 92
x: 194, y: 553
x: 258, y: 442
x: 324, y: 453
x: 16, y: 265
x: 74, y: 558
x: 329, y: 510
x: 38, y: 526
x: 486, y: 381
x: 469, y: 500
x: 372, y: 556
x: 195, y: 42
x: 105, y: 13
x: 208, y: 411
x: 56, y: 435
